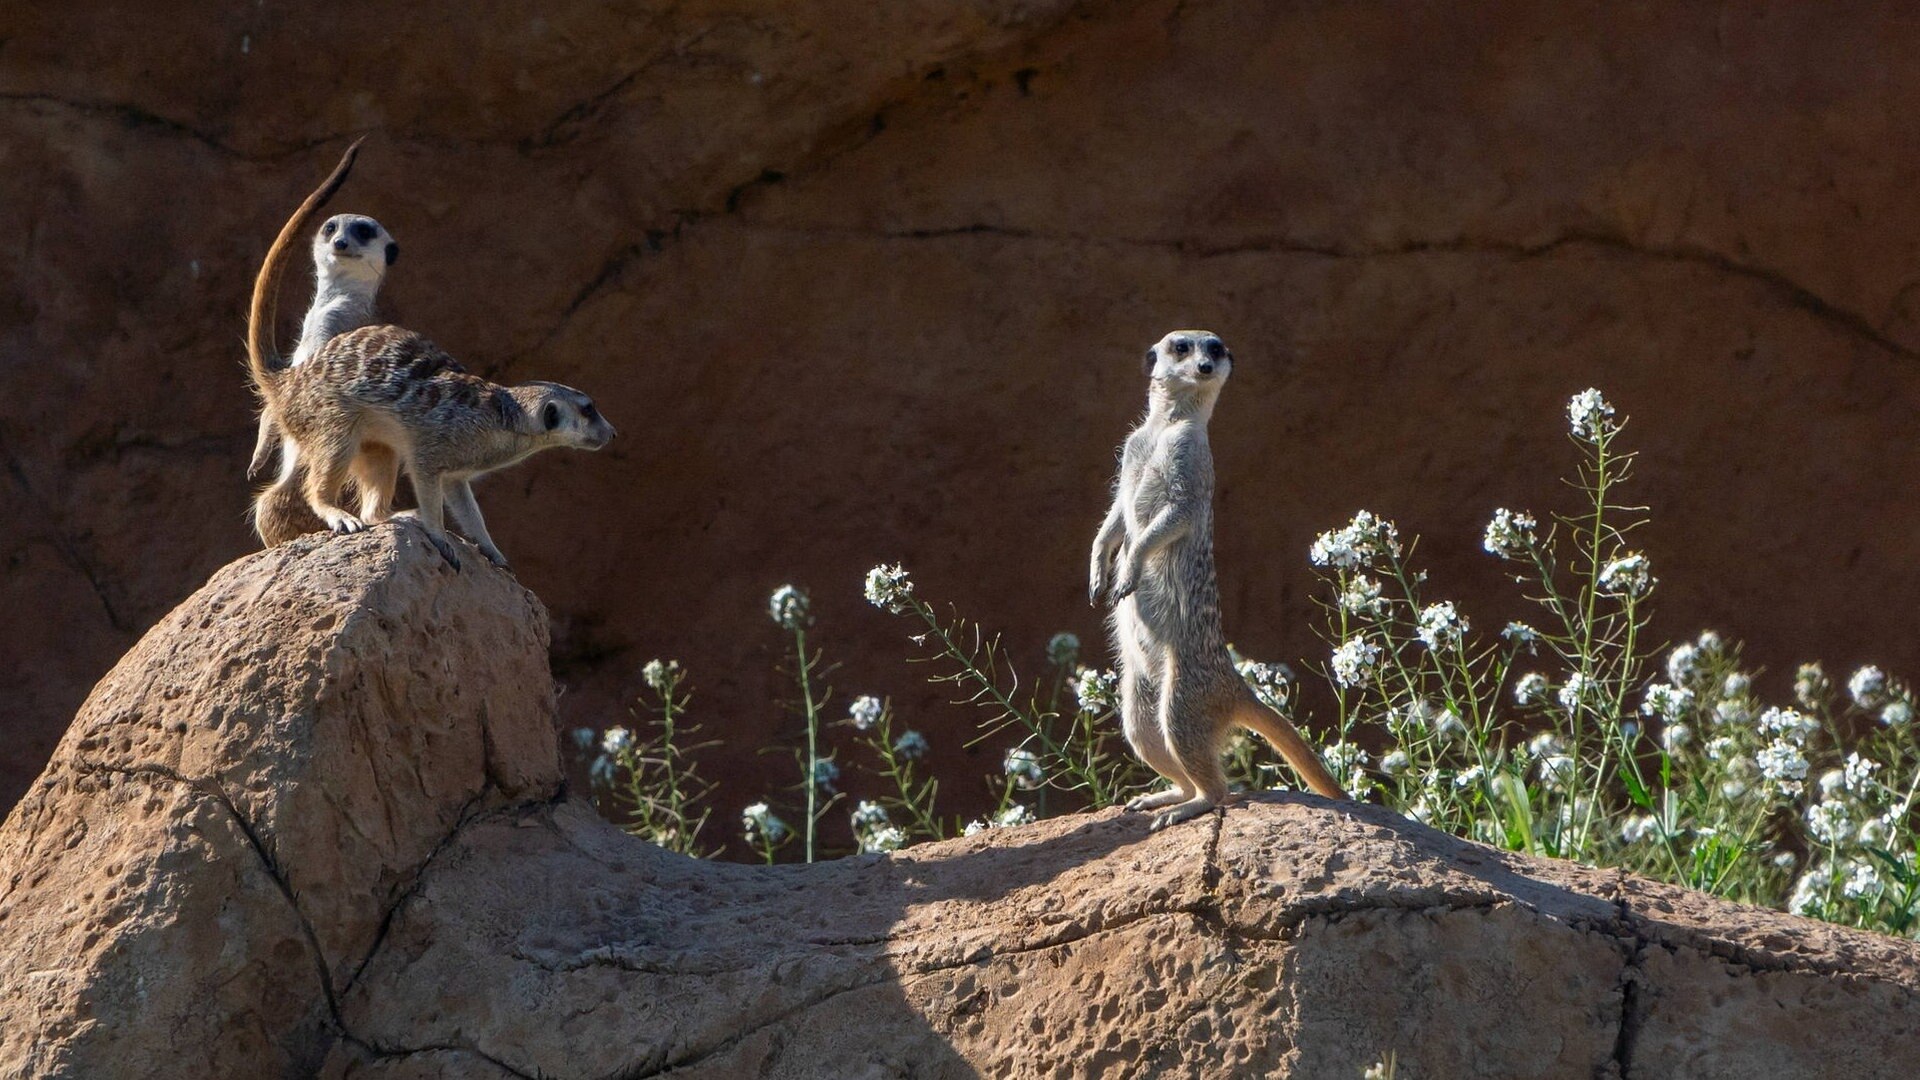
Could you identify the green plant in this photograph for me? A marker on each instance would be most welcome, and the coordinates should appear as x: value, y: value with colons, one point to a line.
x: 648, y: 782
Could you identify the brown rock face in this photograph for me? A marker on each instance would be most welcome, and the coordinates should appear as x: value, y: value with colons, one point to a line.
x: 312, y: 825
x: 867, y: 281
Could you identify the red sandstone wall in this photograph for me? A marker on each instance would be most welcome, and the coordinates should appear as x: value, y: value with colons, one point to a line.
x: 863, y: 282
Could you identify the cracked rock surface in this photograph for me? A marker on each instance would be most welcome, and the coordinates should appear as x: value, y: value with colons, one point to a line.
x: 314, y: 824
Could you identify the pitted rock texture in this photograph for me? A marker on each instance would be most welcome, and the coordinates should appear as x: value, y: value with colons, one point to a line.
x: 314, y: 824
x: 865, y: 282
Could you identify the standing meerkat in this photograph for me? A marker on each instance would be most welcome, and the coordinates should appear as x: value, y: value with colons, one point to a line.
x: 1180, y: 696
x: 372, y: 401
x: 351, y: 254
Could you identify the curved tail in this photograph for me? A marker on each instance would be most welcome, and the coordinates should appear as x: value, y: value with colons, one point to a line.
x: 262, y: 358
x: 1286, y: 738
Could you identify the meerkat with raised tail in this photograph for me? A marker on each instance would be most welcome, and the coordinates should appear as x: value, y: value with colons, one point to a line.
x: 351, y: 254
x: 1180, y: 696
x: 374, y: 400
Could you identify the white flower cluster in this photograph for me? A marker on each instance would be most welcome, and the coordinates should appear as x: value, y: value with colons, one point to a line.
x: 1689, y: 662
x: 1629, y: 576
x: 874, y: 829
x: 1396, y: 763
x: 865, y: 712
x: 1556, y: 771
x: 761, y: 825
x: 1666, y: 701
x: 789, y: 608
x: 1590, y: 416
x: 1349, y: 763
x: 912, y: 746
x: 1531, y: 689
x: 1638, y: 828
x: 1868, y: 687
x: 616, y: 741
x: 1578, y: 688
x: 1783, y: 764
x: 1441, y: 626
x: 1095, y: 690
x: 1022, y: 766
x: 888, y: 589
x: 1354, y: 661
x: 661, y: 675
x: 1362, y: 597
x: 1011, y: 816
x: 1510, y: 534
x: 1363, y: 541
x: 1063, y: 649
x: 1271, y: 683
x: 1811, y: 686
x: 1519, y: 633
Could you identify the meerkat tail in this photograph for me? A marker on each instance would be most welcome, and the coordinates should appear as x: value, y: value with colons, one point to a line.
x: 1286, y: 738
x: 262, y: 358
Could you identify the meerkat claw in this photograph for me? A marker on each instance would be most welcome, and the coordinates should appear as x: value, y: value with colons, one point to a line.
x: 346, y: 523
x: 1186, y: 811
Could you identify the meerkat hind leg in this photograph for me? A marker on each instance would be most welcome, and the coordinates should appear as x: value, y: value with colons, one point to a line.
x: 430, y: 490
x: 376, y: 472
x: 327, y: 470
x: 1140, y: 722
x: 1193, y: 740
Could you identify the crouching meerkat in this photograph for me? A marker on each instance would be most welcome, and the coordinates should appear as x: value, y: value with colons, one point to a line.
x: 375, y: 400
x: 1180, y: 696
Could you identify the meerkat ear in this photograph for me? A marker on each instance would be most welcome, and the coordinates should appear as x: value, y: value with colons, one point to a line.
x: 393, y: 252
x: 1146, y: 365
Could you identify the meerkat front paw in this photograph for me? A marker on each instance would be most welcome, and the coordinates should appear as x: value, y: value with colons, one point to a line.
x: 493, y: 555
x: 445, y: 547
x: 1124, y: 584
x: 1096, y: 581
x: 1186, y: 811
x: 343, y: 522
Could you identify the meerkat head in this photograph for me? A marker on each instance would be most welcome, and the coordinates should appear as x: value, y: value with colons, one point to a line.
x: 353, y: 246
x: 563, y: 416
x: 1189, y: 362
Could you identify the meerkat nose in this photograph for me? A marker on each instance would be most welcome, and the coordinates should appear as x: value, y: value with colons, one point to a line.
x: 1206, y: 369
x: 340, y: 244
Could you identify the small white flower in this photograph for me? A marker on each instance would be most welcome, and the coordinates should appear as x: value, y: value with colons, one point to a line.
x: 616, y: 741
x: 1095, y: 690
x: 1674, y: 736
x: 1666, y: 701
x: 1014, y: 815
x: 1575, y: 690
x: 1785, y: 860
x: 1790, y: 724
x: 1782, y: 763
x: 1738, y: 684
x: 1545, y: 744
x: 1364, y: 540
x: 1395, y: 763
x: 1510, y: 534
x: 1063, y: 649
x: 1638, y: 828
x: 1519, y: 633
x: 1733, y: 712
x: 1810, y: 892
x: 661, y: 674
x: 870, y: 815
x: 1450, y: 726
x: 1683, y: 664
x: 1897, y: 713
x: 1271, y: 683
x: 1531, y: 689
x: 1590, y: 416
x: 1857, y: 774
x: 1722, y: 748
x: 1629, y: 575
x: 911, y: 746
x: 888, y: 589
x: 1022, y: 766
x: 884, y: 838
x: 761, y: 825
x: 1867, y: 687
x: 789, y: 608
x: 865, y: 711
x: 1342, y: 757
x: 1810, y: 686
x: 1829, y: 822
x: 1862, y: 881
x: 1362, y: 596
x: 1421, y: 811
x: 1472, y: 775
x: 1556, y: 771
x: 825, y: 774
x: 975, y: 828
x: 1354, y: 661
x: 1441, y: 627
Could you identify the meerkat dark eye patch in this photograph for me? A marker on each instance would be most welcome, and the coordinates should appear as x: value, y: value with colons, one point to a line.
x: 1214, y: 349
x: 361, y: 232
x: 550, y: 416
x: 393, y: 252
x: 1181, y: 347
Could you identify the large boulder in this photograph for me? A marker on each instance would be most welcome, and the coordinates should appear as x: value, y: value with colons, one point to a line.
x: 314, y: 824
